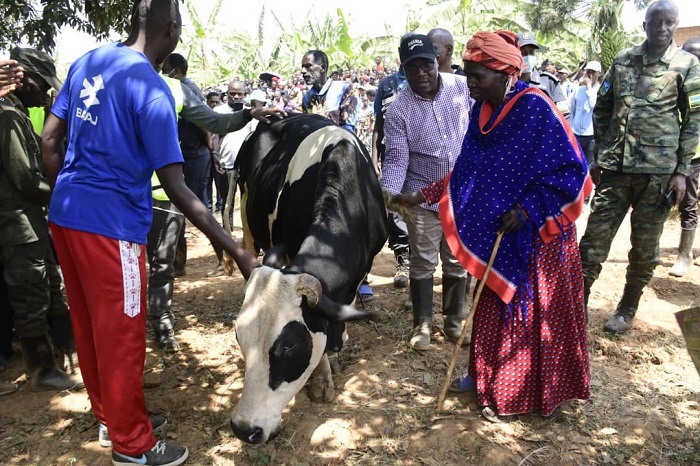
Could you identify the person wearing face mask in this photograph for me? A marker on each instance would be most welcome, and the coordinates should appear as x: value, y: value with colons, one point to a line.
x: 230, y: 142
x: 168, y: 221
x: 544, y: 80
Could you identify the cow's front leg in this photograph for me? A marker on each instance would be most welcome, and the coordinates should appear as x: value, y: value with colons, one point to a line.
x: 321, y: 387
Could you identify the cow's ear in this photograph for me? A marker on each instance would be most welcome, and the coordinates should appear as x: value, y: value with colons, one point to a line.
x: 309, y: 286
x: 340, y: 312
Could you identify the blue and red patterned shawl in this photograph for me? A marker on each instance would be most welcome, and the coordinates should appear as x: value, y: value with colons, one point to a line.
x: 523, y: 153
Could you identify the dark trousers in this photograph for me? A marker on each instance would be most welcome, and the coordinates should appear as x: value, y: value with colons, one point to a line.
x: 588, y: 146
x: 398, y: 231
x: 614, y: 196
x: 688, y: 207
x: 195, y: 169
x: 34, y: 287
x: 214, y: 178
x: 6, y: 325
x: 163, y: 237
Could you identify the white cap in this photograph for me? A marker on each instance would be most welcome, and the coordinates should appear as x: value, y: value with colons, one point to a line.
x: 594, y: 66
x: 258, y: 95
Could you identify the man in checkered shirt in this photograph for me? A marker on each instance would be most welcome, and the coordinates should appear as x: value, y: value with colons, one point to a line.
x: 424, y: 129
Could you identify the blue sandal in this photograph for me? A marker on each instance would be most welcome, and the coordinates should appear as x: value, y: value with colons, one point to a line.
x: 365, y: 293
x: 462, y: 384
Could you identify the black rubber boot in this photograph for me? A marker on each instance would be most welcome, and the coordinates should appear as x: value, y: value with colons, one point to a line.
x: 422, y: 297
x: 164, y: 332
x: 41, y: 366
x: 454, y: 307
x: 622, y: 320
x: 61, y: 333
x: 685, y: 254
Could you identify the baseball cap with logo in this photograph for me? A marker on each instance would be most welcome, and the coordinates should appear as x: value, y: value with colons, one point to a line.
x: 37, y: 62
x: 594, y: 66
x: 416, y: 46
x: 527, y: 38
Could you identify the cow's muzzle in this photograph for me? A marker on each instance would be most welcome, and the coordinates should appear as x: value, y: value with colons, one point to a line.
x: 252, y: 435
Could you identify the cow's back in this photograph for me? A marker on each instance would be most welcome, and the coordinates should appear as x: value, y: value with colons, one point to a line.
x: 311, y: 186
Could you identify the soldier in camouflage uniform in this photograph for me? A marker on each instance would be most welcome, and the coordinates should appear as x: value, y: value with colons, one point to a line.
x: 34, y: 285
x: 646, y: 123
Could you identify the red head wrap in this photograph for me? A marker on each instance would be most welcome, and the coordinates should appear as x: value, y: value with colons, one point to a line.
x: 498, y: 51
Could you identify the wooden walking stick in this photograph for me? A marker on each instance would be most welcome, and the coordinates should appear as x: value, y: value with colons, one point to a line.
x: 467, y: 323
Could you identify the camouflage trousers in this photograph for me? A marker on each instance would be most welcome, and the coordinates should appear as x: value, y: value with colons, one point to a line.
x: 614, y: 196
x: 34, y: 289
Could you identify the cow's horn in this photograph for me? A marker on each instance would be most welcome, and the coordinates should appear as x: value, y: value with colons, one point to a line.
x: 309, y: 286
x: 340, y: 312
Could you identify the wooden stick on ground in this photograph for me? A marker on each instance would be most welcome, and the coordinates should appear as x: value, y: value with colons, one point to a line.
x: 468, y: 323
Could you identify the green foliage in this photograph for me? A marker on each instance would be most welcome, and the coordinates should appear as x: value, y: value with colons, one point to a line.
x: 37, y: 22
x: 549, y: 16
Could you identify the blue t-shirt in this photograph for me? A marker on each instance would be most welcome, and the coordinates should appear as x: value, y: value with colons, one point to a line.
x: 121, y: 127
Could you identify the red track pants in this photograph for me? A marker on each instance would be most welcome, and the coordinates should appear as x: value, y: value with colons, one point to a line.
x: 106, y: 285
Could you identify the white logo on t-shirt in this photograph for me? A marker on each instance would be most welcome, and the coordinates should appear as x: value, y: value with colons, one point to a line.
x: 90, y: 91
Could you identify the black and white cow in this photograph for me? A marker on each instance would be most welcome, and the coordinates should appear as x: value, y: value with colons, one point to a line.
x: 311, y: 199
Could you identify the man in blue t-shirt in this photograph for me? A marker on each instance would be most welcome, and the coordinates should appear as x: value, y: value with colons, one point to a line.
x: 110, y: 106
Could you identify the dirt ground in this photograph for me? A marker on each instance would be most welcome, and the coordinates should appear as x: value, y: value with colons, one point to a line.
x: 645, y: 405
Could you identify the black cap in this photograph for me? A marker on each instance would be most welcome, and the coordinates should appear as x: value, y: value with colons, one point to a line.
x: 416, y: 46
x: 527, y: 38
x: 38, y: 62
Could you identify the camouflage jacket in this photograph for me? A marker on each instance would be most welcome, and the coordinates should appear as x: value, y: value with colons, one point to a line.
x: 24, y: 189
x: 647, y: 116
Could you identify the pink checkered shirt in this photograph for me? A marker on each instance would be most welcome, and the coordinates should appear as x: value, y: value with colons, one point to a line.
x: 424, y: 137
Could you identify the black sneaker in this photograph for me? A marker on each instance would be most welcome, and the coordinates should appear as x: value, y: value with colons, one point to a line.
x: 161, y: 454
x: 157, y: 421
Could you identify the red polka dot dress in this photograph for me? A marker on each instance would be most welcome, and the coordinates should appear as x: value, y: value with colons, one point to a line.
x: 535, y: 364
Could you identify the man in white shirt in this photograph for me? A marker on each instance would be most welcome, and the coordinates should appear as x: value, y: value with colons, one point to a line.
x: 582, y: 106
x: 231, y: 143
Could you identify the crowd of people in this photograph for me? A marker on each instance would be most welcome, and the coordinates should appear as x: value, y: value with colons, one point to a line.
x: 98, y: 183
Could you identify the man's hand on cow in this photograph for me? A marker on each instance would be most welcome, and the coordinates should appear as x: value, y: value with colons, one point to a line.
x: 678, y: 185
x: 262, y: 114
x: 408, y: 200
x: 11, y: 75
x: 595, y: 173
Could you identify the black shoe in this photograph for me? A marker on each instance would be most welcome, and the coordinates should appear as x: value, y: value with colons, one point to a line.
x: 167, y: 341
x: 620, y: 322
x: 161, y: 454
x: 157, y: 421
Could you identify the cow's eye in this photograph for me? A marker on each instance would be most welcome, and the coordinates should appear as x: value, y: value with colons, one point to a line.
x: 289, y: 347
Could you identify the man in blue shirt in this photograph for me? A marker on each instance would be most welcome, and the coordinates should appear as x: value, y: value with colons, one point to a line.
x: 111, y: 105
x: 582, y: 106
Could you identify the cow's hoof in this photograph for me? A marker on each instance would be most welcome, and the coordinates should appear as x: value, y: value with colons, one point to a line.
x: 321, y: 387
x: 320, y: 391
x: 334, y: 362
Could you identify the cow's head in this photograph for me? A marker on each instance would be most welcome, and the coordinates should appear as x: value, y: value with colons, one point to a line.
x: 281, y: 333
